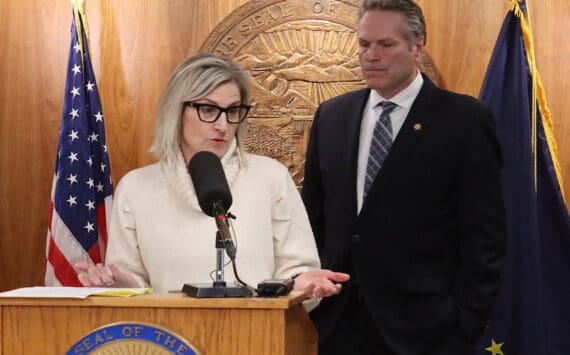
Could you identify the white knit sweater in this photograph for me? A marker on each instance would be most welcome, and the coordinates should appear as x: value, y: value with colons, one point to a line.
x: 159, y: 233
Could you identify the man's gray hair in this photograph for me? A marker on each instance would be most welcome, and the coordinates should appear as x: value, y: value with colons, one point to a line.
x: 193, y: 79
x: 416, y: 26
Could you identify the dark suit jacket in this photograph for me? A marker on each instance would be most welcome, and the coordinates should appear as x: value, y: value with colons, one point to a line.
x: 427, y: 246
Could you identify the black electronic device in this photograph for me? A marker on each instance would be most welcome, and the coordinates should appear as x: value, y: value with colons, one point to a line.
x: 275, y: 287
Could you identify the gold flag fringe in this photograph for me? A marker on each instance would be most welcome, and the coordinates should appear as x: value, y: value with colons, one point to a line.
x: 539, y: 95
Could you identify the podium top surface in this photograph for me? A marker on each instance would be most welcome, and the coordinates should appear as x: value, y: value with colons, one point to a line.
x: 161, y: 300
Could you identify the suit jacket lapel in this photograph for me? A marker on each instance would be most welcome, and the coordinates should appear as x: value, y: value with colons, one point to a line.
x: 415, y: 126
x: 352, y: 118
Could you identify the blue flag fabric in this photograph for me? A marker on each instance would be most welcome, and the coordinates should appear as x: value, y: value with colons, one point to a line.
x: 532, y: 312
x: 82, y: 186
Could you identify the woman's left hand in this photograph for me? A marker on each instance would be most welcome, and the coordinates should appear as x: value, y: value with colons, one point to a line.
x: 319, y: 283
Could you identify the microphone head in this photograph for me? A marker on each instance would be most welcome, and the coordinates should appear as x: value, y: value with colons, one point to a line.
x: 210, y: 182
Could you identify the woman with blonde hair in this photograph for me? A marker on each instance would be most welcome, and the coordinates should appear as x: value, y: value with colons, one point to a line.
x: 158, y: 235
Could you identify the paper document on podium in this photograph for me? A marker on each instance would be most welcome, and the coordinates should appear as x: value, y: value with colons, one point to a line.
x: 74, y: 292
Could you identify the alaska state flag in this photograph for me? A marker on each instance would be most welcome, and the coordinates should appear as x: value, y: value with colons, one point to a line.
x: 532, y: 312
x: 82, y: 186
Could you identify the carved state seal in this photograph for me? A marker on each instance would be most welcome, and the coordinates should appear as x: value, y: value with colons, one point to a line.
x: 132, y: 338
x: 299, y: 54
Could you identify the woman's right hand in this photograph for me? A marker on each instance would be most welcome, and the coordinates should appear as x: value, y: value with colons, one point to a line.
x: 103, y: 276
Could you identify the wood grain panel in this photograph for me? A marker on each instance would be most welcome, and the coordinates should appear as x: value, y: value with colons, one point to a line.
x: 208, y: 329
x: 459, y: 44
x: 229, y: 327
x: 30, y: 107
x: 134, y: 47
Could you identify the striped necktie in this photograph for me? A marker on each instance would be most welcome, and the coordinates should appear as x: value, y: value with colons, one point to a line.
x: 380, y: 144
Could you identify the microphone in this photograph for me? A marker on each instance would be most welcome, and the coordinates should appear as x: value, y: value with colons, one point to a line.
x: 213, y: 193
x: 210, y: 182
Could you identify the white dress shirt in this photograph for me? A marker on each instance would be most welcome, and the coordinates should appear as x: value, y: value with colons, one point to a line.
x: 404, y: 99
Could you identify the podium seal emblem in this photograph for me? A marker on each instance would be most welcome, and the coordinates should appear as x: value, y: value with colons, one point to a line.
x: 132, y: 338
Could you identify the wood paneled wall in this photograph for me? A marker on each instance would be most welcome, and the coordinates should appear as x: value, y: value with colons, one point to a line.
x: 136, y: 44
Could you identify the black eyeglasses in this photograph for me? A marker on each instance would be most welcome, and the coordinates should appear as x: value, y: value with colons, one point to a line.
x: 210, y: 113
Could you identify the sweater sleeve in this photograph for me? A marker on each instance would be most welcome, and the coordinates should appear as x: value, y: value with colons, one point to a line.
x: 294, y: 246
x: 123, y: 248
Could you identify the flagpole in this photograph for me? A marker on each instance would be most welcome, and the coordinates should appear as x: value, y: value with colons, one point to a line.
x: 79, y: 15
x: 533, y: 76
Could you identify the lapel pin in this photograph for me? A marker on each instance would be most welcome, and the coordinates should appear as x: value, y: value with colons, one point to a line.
x: 417, y: 127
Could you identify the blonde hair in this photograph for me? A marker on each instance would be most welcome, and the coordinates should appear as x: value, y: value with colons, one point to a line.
x: 193, y: 79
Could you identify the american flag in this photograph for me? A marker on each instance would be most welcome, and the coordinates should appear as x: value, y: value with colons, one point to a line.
x: 82, y: 187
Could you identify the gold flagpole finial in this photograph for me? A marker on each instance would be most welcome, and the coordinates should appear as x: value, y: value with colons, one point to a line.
x: 80, y: 23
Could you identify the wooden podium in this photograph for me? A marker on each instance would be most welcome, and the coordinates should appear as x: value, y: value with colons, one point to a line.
x: 219, y: 326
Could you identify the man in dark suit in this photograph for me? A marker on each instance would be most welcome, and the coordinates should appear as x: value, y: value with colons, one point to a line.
x: 402, y: 190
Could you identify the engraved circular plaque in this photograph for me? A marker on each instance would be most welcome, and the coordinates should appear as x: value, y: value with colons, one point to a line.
x: 299, y: 54
x: 129, y: 338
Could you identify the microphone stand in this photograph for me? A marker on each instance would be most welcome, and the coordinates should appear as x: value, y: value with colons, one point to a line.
x: 218, y: 288
x: 220, y: 249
